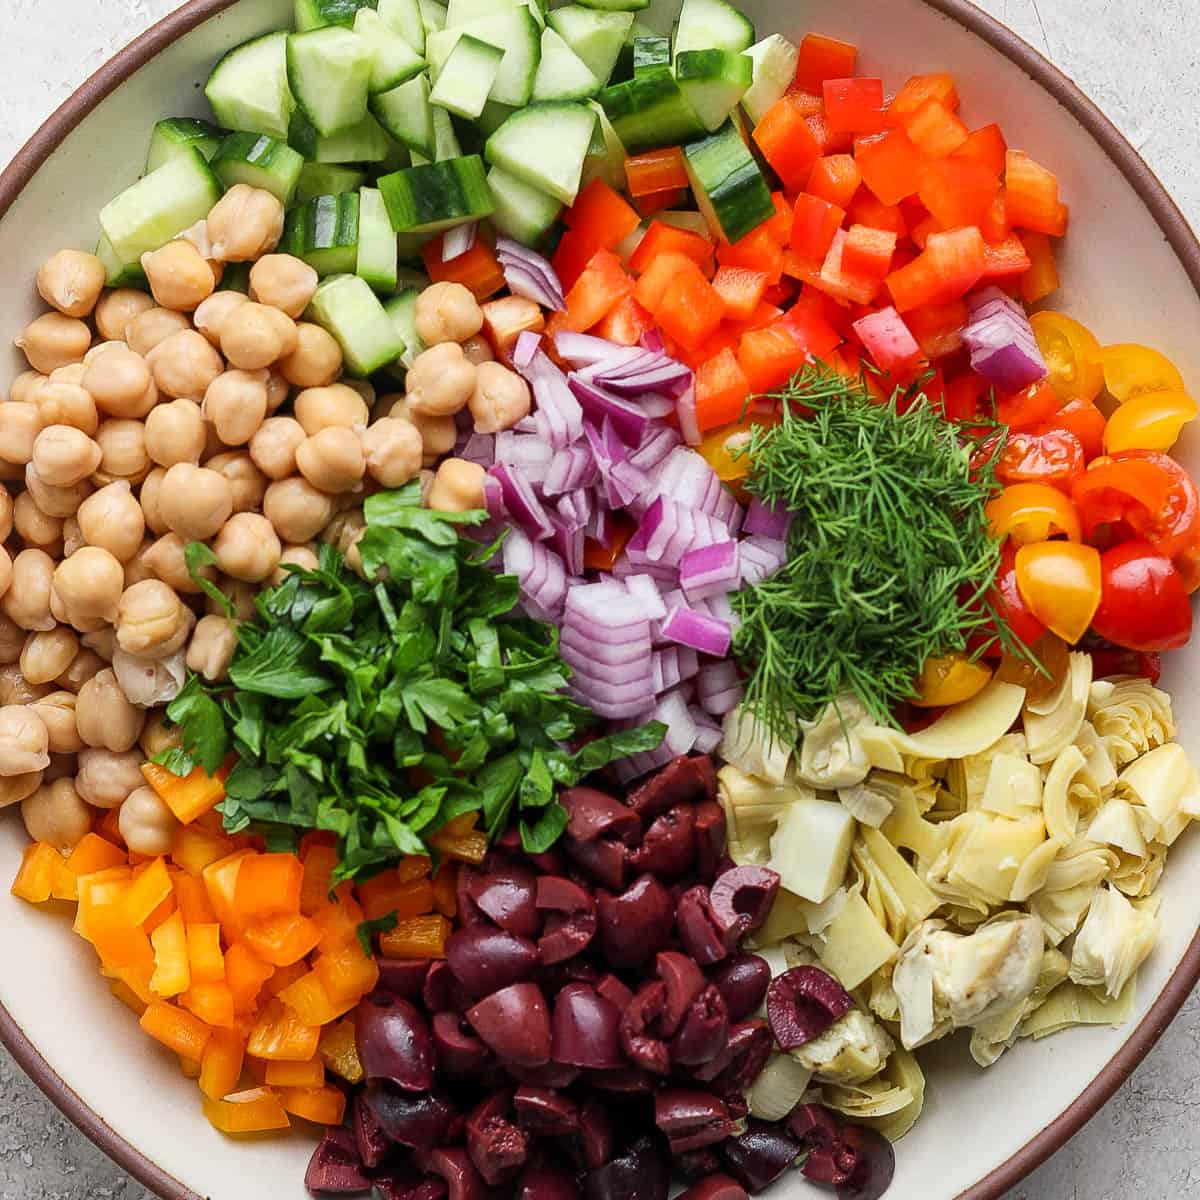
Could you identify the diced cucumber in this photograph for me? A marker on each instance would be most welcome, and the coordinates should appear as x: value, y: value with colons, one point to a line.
x: 398, y: 157
x: 493, y: 116
x: 730, y: 189
x: 616, y: 5
x: 651, y: 52
x: 435, y: 196
x: 606, y: 154
x: 378, y: 257
x: 236, y: 278
x: 248, y: 90
x: 366, y: 142
x: 174, y: 135
x: 326, y: 179
x: 260, y: 161
x: 316, y: 14
x: 433, y: 15
x: 118, y: 274
x: 347, y: 308
x: 463, y: 12
x: 445, y: 140
x: 545, y: 145
x: 325, y: 234
x: 402, y: 311
x: 404, y: 18
x: 597, y: 37
x: 160, y: 206
x: 712, y: 25
x: 466, y: 79
x: 712, y: 82
x: 562, y: 74
x: 650, y: 110
x: 683, y: 218
x: 774, y: 60
x: 393, y: 59
x: 328, y: 72
x: 411, y: 244
x: 412, y: 277
x: 522, y: 212
x: 405, y: 113
x: 624, y: 68
x: 517, y: 33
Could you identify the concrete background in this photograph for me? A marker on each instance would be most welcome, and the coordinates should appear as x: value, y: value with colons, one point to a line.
x: 1138, y: 61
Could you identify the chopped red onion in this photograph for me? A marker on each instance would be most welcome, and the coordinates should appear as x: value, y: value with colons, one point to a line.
x: 601, y: 527
x: 760, y: 557
x: 698, y: 630
x: 643, y: 589
x: 710, y: 571
x: 628, y: 420
x: 543, y: 580
x: 559, y: 415
x: 521, y: 502
x: 656, y: 445
x: 458, y: 240
x: 585, y: 349
x: 526, y: 452
x: 770, y: 521
x: 669, y: 530
x: 527, y: 347
x: 665, y: 376
x: 567, y: 540
x: 572, y: 468
x: 689, y: 424
x: 1002, y: 343
x: 652, y: 339
x: 512, y: 253
x: 672, y: 710
x: 479, y: 448
x: 709, y: 735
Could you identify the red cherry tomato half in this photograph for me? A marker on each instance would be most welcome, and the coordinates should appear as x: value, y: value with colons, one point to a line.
x: 1143, y: 602
x: 1009, y: 605
x: 1055, y: 458
x: 1110, y: 661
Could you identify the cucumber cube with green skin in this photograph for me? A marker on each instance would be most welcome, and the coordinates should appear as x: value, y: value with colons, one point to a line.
x: 393, y: 59
x: 433, y: 15
x: 435, y: 196
x: 650, y: 110
x: 248, y: 89
x: 445, y: 140
x: 493, y: 116
x: 325, y: 234
x: 366, y: 142
x: 774, y: 60
x: 378, y: 251
x: 516, y: 32
x: 729, y: 187
x: 317, y: 14
x: 118, y: 274
x: 326, y: 179
x: 174, y: 135
x: 405, y: 113
x: 466, y: 79
x: 259, y: 162
x: 329, y: 72
x: 545, y: 145
x: 404, y: 17
x: 462, y: 12
x: 651, y: 52
x: 561, y: 73
x: 712, y: 25
x: 606, y: 155
x: 712, y: 82
x: 616, y: 5
x: 345, y: 306
x: 402, y: 309
x: 522, y: 212
x: 597, y: 37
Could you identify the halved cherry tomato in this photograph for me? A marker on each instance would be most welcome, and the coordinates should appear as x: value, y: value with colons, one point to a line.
x: 1149, y: 421
x: 950, y: 679
x: 1072, y: 355
x: 1143, y: 602
x: 1032, y: 512
x: 1037, y: 403
x: 1060, y: 581
x: 722, y: 450
x: 1084, y: 420
x: 1052, y: 661
x: 1008, y: 603
x: 1054, y: 458
x: 1109, y: 660
x: 1131, y: 370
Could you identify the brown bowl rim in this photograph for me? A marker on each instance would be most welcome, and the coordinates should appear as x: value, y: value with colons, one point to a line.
x: 1182, y: 240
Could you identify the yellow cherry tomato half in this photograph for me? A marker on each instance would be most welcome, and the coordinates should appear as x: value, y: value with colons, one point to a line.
x: 1150, y: 421
x: 1033, y: 512
x: 1060, y: 582
x: 1131, y: 370
x: 950, y: 679
x: 723, y: 449
x: 1072, y: 356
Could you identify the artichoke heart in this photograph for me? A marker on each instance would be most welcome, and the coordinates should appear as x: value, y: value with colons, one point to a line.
x: 831, y: 754
x: 1116, y: 938
x: 852, y: 1050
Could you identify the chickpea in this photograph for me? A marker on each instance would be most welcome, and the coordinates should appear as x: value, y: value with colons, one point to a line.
x: 249, y: 484
x: 299, y: 556
x: 116, y: 309
x: 12, y: 640
x: 195, y: 502
x: 136, y: 569
x: 103, y: 641
x: 54, y: 341
x: 24, y: 389
x: 212, y: 648
x: 56, y: 814
x: 27, y: 601
x: 47, y: 655
x: 158, y: 734
x: 55, y: 501
x: 89, y: 585
x: 211, y: 316
x: 33, y: 526
x: 149, y: 495
x: 179, y: 276
x: 148, y: 330
x: 278, y: 391
x: 16, y: 689
x: 438, y: 434
x: 113, y: 520
x: 236, y: 404
x: 447, y: 312
x: 6, y: 571
x: 241, y: 595
x: 72, y: 538
x: 175, y: 433
x: 57, y: 712
x: 19, y: 426
x: 83, y: 666
x: 245, y: 224
x: 332, y: 459
x: 212, y: 444
x: 24, y: 741
x: 501, y: 399
x: 316, y: 361
x: 167, y: 559
x: 64, y: 456
x: 106, y: 720
x: 152, y: 621
x: 68, y: 404
x: 283, y: 282
x: 393, y: 450
x: 478, y: 350
x: 6, y: 514
x: 319, y: 408
x: 105, y: 778
x: 273, y: 447
x: 345, y: 531
x: 74, y: 372
x: 441, y: 381
x: 16, y: 788
x: 255, y: 336
x: 248, y: 547
x: 146, y: 823
x: 184, y: 364
x: 457, y: 487
x: 71, y: 281
x: 120, y: 383
x: 297, y: 510
x: 123, y: 451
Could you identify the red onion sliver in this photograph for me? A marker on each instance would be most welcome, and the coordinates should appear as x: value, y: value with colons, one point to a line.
x: 703, y: 633
x: 521, y: 502
x: 689, y: 426
x: 458, y: 240
x: 527, y: 347
x: 710, y: 571
x: 772, y: 522
x: 628, y: 420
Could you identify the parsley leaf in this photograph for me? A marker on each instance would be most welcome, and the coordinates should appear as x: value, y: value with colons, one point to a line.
x: 368, y: 929
x: 203, y: 722
x: 196, y: 557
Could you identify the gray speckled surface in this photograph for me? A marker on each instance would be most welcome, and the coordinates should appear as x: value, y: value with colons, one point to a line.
x: 1138, y: 61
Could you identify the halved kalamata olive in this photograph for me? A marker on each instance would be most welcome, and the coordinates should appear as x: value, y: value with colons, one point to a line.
x: 874, y: 1164
x: 697, y: 1164
x: 394, y: 1042
x: 496, y: 1147
x: 468, y: 911
x: 545, y: 1183
x: 684, y: 981
x: 566, y: 935
x: 802, y: 1003
x: 614, y: 991
x: 369, y: 1135
x: 715, y: 1187
x: 760, y: 1155
x: 743, y: 981
x: 604, y: 861
x: 635, y: 925
x: 697, y: 931
x: 505, y: 893
x: 740, y: 901
x: 484, y: 959
x: 545, y: 1111
x: 549, y: 1075
x: 442, y: 990
x: 515, y: 1023
x: 629, y: 1080
x: 683, y: 781
x: 412, y: 1120
x: 453, y: 1164
x: 641, y: 1173
x: 585, y: 1029
x: 641, y: 1047
x: 690, y: 1119
x: 557, y: 893
x: 741, y: 1062
x: 595, y: 1140
x: 704, y: 1032
x: 556, y: 976
x: 458, y: 1051
x: 549, y: 862
x: 732, y: 1097
x: 406, y: 1183
x: 709, y: 832
x: 405, y: 977
x: 669, y: 847
x: 815, y: 1128
x: 594, y: 814
x: 335, y: 1167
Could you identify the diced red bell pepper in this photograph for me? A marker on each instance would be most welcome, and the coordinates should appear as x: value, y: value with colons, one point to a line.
x: 853, y: 105
x: 787, y: 141
x: 834, y: 177
x: 655, y: 202
x: 662, y: 238
x: 938, y: 327
x: 653, y: 283
x: 765, y: 313
x: 1029, y: 407
x: 823, y: 58
x: 951, y: 264
x: 779, y: 227
x: 995, y: 226
x: 1032, y: 196
x: 690, y: 310
x: 721, y: 390
x: 477, y: 269
x: 964, y: 397
x: 572, y: 256
x: 625, y: 324
x: 889, y: 342
x: 740, y: 289
x: 935, y: 130
x: 922, y: 229
x: 1005, y: 260
x: 890, y: 165
x: 655, y: 171
x: 601, y: 215
x: 987, y: 146
x: 837, y: 281
x: 817, y: 335
x: 866, y: 209
x: 814, y: 223
x: 868, y: 252
x: 757, y: 251
x: 822, y: 304
x: 958, y: 191
x: 769, y: 357
x: 917, y: 91
x: 601, y: 287
x: 1041, y: 280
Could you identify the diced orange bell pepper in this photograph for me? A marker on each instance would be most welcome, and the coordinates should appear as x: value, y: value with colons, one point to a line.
x: 221, y: 1066
x: 128, y: 997
x: 958, y: 191
x: 470, y: 846
x: 284, y: 977
x: 506, y: 318
x: 179, y: 1031
x: 602, y: 215
x: 268, y: 884
x: 386, y: 894
x: 312, y: 1004
x: 220, y: 880
x: 918, y: 90
x: 690, y: 310
x: 282, y: 939
x: 823, y: 58
x: 853, y: 105
x: 149, y: 888
x: 172, y: 969
x: 445, y: 889
x: 478, y: 269
x: 740, y: 290
x: 420, y: 937
x: 654, y: 171
x: 136, y: 977
x: 309, y: 1074
x: 195, y: 848
x: 338, y: 921
x: 951, y: 264
x: 626, y: 324
x: 189, y: 797
x: 656, y: 202
x: 769, y: 357
x: 191, y: 898
x: 1031, y: 193
x: 339, y: 1051
x: 601, y: 287
x: 935, y: 129
x: 867, y: 253
x: 1041, y: 280
x: 257, y: 1111
x: 413, y: 867
x: 890, y: 164
x: 204, y: 953
x: 834, y: 177
x: 347, y: 973
x: 211, y: 1002
x: 35, y: 878
x: 245, y: 974
x: 662, y: 239
x: 756, y: 251
x: 118, y: 941
x: 319, y: 864
x: 987, y: 146
x: 721, y: 391
x: 94, y: 853
x: 279, y: 1034
x: 787, y: 142
x: 323, y: 1105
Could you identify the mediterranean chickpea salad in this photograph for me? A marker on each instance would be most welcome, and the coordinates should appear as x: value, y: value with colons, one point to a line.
x: 567, y: 605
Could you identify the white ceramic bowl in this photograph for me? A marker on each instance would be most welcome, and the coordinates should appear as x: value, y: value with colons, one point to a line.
x: 1131, y: 271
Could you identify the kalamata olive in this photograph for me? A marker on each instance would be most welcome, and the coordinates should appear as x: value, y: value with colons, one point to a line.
x: 453, y: 1164
x: 442, y: 991
x: 459, y: 1052
x: 595, y: 1140
x: 515, y: 1023
x: 690, y: 1119
x: 585, y: 1029
x: 549, y: 1075
x: 570, y: 921
x: 394, y: 1042
x: 859, y: 1162
x: 802, y: 1003
x: 556, y: 976
x: 741, y: 900
x: 635, y: 925
x: 614, y: 991
x: 683, y: 781
x: 497, y: 1148
x: 698, y: 1164
x: 874, y: 1164
x: 604, y: 861
x: 704, y: 1031
x: 669, y: 847
x: 697, y: 931
x: 549, y: 862
x: 505, y: 894
x: 404, y: 976
x: 684, y: 981
x: 641, y: 1047
x: 641, y: 1173
x: 369, y: 1135
x: 709, y: 832
x: 545, y: 1183
x: 335, y: 1167
x: 741, y: 1062
x: 760, y: 1155
x: 743, y: 981
x: 484, y: 959
x: 594, y: 814
x: 545, y: 1112
x: 715, y: 1187
x: 815, y: 1127
x: 411, y: 1120
x: 404, y: 1182
x: 629, y: 1080
x: 556, y: 893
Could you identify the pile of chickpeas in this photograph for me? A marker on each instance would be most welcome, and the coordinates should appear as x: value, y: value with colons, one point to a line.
x: 149, y: 421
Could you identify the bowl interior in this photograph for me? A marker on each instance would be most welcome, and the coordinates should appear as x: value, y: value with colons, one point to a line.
x: 1121, y: 278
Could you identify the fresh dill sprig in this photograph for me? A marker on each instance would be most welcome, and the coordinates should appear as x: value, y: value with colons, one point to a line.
x: 890, y: 556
